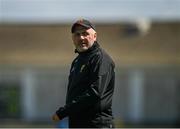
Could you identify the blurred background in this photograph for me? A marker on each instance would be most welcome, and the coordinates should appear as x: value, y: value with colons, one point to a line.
x: 142, y: 36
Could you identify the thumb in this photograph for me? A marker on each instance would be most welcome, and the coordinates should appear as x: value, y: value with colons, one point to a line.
x: 55, y: 117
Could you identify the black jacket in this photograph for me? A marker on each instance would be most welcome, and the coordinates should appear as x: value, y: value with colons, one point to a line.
x: 90, y: 90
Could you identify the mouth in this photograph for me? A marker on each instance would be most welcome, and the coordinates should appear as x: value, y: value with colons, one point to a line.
x: 82, y: 44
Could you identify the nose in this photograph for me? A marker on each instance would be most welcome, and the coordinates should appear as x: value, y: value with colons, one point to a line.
x: 81, y: 37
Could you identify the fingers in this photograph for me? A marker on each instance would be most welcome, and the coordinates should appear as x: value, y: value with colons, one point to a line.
x: 55, y: 118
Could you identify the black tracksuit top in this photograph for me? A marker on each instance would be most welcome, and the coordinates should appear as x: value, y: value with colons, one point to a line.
x: 90, y: 90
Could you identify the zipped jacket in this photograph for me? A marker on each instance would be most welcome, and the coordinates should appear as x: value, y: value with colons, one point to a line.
x: 90, y: 90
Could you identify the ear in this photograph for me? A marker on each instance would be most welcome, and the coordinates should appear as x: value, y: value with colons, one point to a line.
x: 95, y: 36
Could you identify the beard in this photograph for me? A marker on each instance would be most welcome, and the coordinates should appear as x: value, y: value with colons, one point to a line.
x: 81, y: 47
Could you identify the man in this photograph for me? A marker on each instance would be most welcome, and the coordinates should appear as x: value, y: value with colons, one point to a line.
x: 91, y: 82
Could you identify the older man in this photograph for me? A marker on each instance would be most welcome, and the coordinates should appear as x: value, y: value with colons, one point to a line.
x: 91, y: 82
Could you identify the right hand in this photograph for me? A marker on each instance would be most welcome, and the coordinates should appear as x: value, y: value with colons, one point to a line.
x: 55, y: 118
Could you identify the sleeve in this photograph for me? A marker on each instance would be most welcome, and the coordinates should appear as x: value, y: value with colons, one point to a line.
x: 92, y: 95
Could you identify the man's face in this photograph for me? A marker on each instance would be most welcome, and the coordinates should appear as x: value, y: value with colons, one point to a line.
x: 83, y: 38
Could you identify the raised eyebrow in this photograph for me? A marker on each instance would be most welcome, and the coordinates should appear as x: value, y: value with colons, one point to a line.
x: 83, y: 32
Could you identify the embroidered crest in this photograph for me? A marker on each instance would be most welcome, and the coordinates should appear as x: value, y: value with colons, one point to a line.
x: 82, y: 67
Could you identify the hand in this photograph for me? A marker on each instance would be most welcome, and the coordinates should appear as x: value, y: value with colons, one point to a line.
x: 55, y: 118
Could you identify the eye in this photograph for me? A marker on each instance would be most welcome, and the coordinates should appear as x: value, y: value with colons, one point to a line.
x: 85, y: 33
